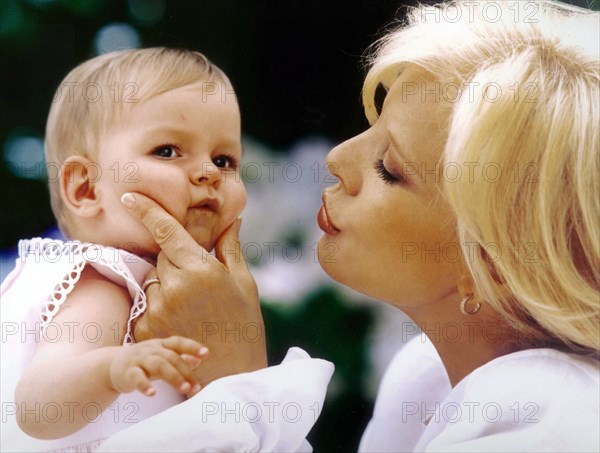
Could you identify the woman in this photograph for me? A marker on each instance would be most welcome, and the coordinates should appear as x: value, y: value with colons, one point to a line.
x: 471, y: 204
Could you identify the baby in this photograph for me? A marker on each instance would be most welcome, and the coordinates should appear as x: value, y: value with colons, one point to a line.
x: 158, y: 121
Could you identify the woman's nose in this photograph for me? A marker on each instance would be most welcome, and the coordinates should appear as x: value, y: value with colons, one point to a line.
x: 344, y: 163
x: 208, y: 174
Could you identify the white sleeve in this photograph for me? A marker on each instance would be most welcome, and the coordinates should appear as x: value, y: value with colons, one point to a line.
x: 118, y: 266
x: 414, y: 378
x: 267, y: 410
x: 530, y: 401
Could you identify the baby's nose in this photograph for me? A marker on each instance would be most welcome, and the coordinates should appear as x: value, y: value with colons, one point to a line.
x: 209, y: 174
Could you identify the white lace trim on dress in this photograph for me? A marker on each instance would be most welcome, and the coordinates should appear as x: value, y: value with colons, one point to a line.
x: 81, y: 254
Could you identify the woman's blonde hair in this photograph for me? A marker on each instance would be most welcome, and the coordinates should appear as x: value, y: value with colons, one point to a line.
x: 94, y: 95
x: 522, y: 83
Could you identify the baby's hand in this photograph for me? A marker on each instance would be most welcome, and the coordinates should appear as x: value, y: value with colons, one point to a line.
x: 170, y: 359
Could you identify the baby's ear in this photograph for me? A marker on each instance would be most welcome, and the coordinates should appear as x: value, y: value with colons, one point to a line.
x: 78, y: 186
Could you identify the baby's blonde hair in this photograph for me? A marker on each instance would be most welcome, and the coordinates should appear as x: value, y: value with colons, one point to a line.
x: 94, y: 95
x: 537, y: 124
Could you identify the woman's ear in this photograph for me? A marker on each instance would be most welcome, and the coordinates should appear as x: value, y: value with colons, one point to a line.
x: 78, y: 179
x: 464, y: 279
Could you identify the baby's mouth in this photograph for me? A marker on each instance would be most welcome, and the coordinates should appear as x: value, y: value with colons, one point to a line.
x: 206, y: 205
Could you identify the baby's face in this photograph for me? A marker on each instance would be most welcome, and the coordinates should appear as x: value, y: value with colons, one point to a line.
x: 181, y: 148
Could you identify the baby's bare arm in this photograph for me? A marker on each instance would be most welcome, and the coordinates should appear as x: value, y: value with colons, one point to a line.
x: 87, y: 364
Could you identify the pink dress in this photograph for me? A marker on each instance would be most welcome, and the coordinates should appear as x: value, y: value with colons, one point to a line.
x: 271, y: 409
x: 46, y: 272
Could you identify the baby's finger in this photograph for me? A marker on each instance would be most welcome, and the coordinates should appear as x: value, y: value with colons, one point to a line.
x: 183, y: 345
x: 161, y: 368
x: 190, y: 360
x: 138, y: 379
x: 182, y: 368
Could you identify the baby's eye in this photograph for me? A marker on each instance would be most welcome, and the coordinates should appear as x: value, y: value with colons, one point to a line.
x: 226, y: 162
x: 165, y: 151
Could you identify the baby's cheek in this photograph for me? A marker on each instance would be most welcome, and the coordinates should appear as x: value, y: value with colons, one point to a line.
x: 171, y: 196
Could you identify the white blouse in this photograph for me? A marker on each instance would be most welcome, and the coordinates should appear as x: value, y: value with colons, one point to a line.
x: 532, y: 400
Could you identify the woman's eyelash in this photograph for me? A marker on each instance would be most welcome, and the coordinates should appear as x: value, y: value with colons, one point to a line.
x: 387, y: 177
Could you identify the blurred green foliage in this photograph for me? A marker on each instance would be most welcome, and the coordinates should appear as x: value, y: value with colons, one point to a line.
x: 329, y: 328
x: 295, y: 67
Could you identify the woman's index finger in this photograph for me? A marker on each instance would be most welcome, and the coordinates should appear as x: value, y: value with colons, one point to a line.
x: 169, y: 234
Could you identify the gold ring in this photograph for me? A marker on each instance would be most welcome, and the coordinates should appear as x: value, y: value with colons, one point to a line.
x: 149, y: 282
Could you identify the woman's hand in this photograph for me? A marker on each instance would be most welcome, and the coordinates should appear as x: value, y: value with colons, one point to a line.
x: 212, y: 300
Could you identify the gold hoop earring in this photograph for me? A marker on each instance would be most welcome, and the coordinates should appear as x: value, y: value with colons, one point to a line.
x: 465, y: 301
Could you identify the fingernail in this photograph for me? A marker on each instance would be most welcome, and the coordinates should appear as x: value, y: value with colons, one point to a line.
x: 203, y: 350
x: 150, y: 391
x: 128, y: 200
x: 185, y: 387
x: 196, y: 388
x: 239, y: 224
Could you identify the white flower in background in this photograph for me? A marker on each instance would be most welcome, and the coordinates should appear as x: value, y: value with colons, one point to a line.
x: 279, y: 232
x: 282, y: 204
